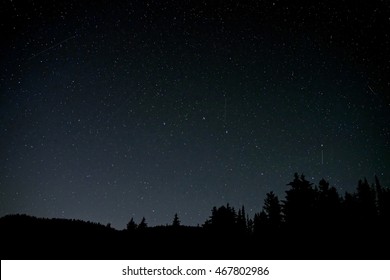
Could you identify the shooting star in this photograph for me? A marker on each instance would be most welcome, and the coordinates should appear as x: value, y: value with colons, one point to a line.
x: 373, y: 92
x: 51, y: 47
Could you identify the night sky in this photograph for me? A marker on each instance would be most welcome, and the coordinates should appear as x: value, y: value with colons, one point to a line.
x: 120, y: 109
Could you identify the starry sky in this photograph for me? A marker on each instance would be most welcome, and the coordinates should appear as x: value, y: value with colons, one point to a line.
x: 118, y: 109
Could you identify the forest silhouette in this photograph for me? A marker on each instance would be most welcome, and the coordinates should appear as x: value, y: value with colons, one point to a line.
x: 311, y: 222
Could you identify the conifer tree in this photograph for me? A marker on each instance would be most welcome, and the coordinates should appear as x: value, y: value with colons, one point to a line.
x: 176, y: 221
x: 131, y: 225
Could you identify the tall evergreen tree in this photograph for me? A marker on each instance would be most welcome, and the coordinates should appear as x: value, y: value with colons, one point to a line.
x: 176, y: 221
x: 273, y: 210
x: 328, y: 203
x: 131, y: 225
x: 241, y: 220
x: 222, y: 219
x: 299, y: 203
x: 142, y: 225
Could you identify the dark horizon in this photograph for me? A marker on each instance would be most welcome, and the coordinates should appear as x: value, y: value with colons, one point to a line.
x: 342, y: 198
x: 118, y: 109
x: 311, y: 222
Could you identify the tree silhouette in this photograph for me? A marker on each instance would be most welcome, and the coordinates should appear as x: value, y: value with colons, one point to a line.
x: 312, y: 222
x: 328, y: 206
x: 142, y: 225
x: 222, y: 219
x: 299, y: 203
x: 273, y: 211
x: 176, y: 221
x: 241, y: 221
x: 131, y: 225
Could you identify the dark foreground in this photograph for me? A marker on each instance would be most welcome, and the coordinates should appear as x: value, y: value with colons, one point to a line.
x: 25, y: 237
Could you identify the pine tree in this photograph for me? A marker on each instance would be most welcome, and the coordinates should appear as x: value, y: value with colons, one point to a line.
x: 222, y: 219
x: 273, y: 210
x: 241, y: 220
x: 176, y: 221
x: 298, y: 208
x: 131, y: 225
x: 142, y: 225
x: 328, y: 204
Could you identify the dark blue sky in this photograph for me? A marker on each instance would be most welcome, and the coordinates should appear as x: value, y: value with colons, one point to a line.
x: 120, y: 109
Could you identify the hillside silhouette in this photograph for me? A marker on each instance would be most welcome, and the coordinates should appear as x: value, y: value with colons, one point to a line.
x: 310, y: 222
